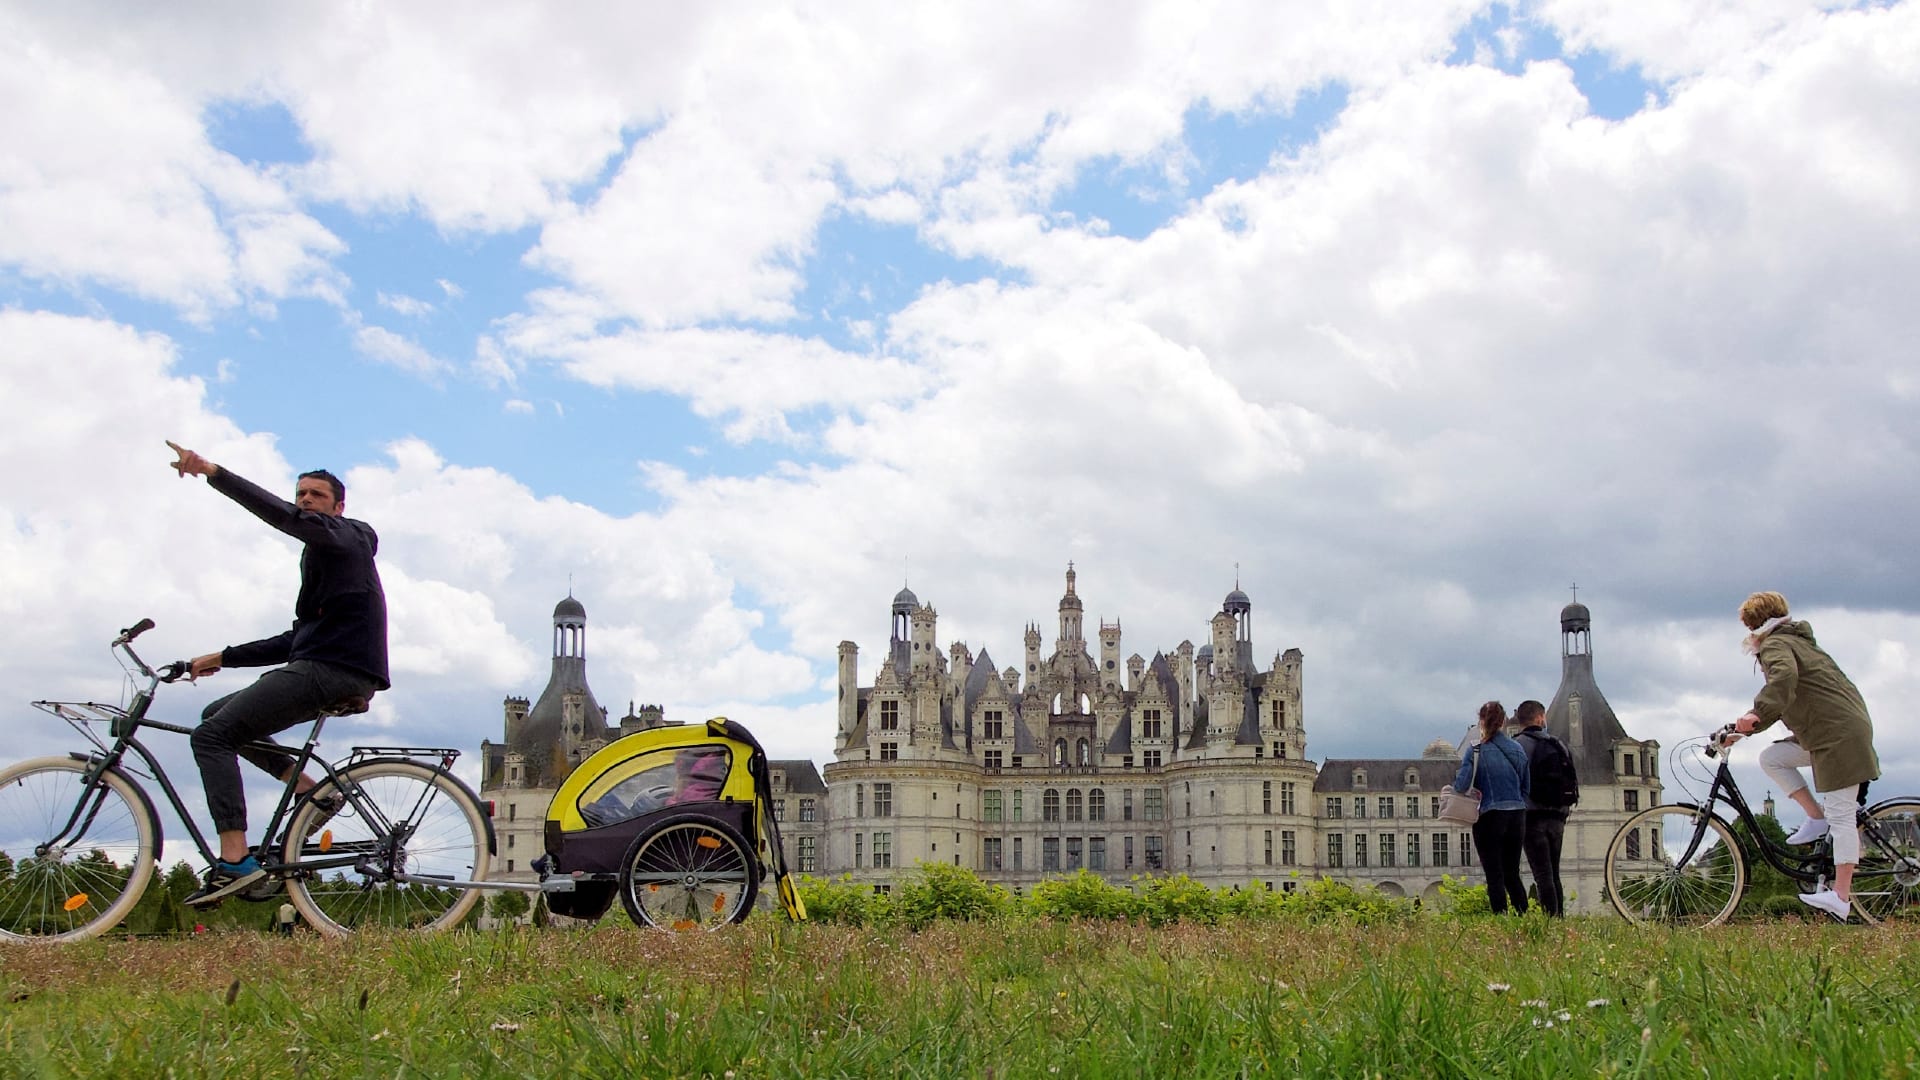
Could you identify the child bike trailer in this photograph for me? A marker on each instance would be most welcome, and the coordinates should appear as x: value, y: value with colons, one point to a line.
x: 677, y: 820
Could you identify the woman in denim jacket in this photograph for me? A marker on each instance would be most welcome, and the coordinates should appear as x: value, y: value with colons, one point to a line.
x: 1503, y: 783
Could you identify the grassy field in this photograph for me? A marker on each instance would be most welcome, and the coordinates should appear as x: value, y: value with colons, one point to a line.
x: 1015, y: 998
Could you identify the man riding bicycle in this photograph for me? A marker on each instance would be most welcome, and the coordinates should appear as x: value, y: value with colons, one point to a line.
x: 334, y: 655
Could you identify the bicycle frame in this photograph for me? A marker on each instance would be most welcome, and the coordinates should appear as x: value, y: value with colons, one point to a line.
x: 125, y: 726
x: 1816, y: 867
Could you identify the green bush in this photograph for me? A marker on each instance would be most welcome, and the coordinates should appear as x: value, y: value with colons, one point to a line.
x: 1460, y: 898
x: 1784, y: 907
x: 939, y: 891
x: 1177, y: 899
x: 1330, y: 900
x: 842, y: 901
x: 1082, y: 894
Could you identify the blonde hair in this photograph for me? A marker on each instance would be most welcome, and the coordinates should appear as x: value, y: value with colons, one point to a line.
x: 1762, y: 606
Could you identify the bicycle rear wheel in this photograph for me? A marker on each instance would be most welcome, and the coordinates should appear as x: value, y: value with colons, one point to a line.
x: 1659, y: 874
x: 402, y: 817
x: 689, y: 872
x: 1887, y: 880
x: 95, y: 876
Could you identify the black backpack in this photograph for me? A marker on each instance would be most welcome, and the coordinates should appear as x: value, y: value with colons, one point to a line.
x: 1550, y: 766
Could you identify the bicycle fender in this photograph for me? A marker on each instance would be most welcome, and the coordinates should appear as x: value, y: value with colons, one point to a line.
x: 344, y: 768
x: 146, y: 800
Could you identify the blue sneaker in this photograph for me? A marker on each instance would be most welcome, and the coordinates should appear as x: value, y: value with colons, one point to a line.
x: 225, y: 879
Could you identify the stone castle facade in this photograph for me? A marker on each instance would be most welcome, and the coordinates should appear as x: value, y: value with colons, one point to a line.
x: 1194, y: 761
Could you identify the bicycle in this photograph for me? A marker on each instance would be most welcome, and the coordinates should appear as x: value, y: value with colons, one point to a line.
x: 407, y: 846
x: 1683, y: 864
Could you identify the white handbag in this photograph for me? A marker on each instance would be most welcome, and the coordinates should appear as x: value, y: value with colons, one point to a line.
x: 1462, y: 806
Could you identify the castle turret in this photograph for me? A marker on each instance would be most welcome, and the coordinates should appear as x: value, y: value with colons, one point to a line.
x: 1071, y: 641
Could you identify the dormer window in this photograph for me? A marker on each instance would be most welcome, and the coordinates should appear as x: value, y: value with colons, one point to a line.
x: 1359, y: 779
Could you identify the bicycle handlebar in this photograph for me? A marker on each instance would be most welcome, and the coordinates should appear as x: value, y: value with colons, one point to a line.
x: 133, y: 631
x: 1722, y: 740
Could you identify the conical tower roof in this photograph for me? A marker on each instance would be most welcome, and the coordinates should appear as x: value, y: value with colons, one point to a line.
x: 1580, y: 715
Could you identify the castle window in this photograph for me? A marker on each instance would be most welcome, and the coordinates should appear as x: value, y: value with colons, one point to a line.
x: 1084, y: 753
x: 882, y: 803
x: 990, y: 806
x: 1059, y: 751
x: 882, y: 850
x: 1018, y: 815
x: 1073, y: 852
x: 859, y: 800
x: 1266, y: 796
x: 1386, y: 806
x: 1050, y: 853
x: 1050, y: 805
x: 1286, y: 796
x: 1627, y: 764
x: 1018, y: 860
x: 1280, y: 715
x: 1386, y: 849
x: 1073, y: 804
x: 1413, y: 849
x: 990, y: 852
x: 1126, y: 804
x: 1150, y: 758
x: 1333, y: 806
x: 1269, y: 850
x: 779, y: 809
x: 889, y: 751
x: 889, y: 716
x: 1287, y: 852
x: 806, y: 809
x: 859, y: 849
x: 993, y: 759
x: 1413, y: 778
x: 806, y: 849
x: 1360, y: 850
x: 1153, y: 805
x: 1336, y: 852
x: 1151, y: 725
x: 1156, y: 853
x: 1413, y: 806
x: 1359, y: 781
x: 1097, y: 853
x: 993, y: 725
x: 1440, y: 849
x: 1360, y: 806
x: 1630, y: 799
x: 1096, y: 805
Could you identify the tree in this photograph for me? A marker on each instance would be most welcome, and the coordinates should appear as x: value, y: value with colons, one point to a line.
x: 508, y: 906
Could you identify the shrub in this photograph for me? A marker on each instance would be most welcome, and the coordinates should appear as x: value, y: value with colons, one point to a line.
x: 1082, y: 894
x: 841, y: 901
x: 1784, y: 907
x: 1459, y: 898
x: 939, y: 891
x: 1330, y: 900
x: 1178, y: 898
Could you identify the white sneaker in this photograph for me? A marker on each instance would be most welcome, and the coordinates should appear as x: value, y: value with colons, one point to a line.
x: 1810, y: 830
x: 1830, y: 902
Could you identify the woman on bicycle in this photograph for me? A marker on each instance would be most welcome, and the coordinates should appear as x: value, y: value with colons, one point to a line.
x: 1831, y: 732
x: 1501, y: 775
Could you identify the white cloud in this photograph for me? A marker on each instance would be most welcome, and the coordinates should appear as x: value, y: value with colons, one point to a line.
x: 453, y: 292
x: 402, y: 304
x: 516, y: 405
x: 387, y: 347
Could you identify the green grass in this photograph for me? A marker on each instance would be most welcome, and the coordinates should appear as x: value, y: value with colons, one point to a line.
x: 1005, y: 998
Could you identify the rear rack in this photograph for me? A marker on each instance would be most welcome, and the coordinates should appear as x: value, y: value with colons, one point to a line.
x: 446, y: 754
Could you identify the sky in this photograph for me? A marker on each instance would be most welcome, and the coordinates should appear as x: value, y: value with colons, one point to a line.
x: 733, y: 318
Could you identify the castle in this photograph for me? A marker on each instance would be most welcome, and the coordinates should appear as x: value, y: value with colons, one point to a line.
x: 1192, y: 762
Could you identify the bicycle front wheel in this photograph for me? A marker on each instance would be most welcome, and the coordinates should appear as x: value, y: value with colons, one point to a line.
x: 74, y: 859
x: 401, y: 817
x: 1675, y: 865
x: 1887, y: 881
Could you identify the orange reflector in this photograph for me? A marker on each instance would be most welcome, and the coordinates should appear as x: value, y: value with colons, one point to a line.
x: 719, y: 902
x: 326, y: 841
x: 75, y: 902
x: 685, y: 924
x: 708, y: 842
x: 653, y: 886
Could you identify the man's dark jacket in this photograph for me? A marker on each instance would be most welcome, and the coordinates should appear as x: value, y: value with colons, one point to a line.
x: 340, y: 616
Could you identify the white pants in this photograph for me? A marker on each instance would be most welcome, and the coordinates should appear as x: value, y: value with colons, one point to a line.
x: 1782, y: 762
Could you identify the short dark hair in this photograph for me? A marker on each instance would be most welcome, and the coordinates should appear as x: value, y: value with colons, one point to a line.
x: 1527, y: 711
x: 339, y: 489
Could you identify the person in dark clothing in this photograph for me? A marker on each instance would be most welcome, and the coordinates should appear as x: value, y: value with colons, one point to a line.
x: 1501, y: 775
x: 334, y: 654
x: 1546, y: 820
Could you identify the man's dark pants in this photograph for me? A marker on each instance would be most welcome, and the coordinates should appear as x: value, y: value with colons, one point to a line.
x: 1545, y: 828
x: 278, y: 700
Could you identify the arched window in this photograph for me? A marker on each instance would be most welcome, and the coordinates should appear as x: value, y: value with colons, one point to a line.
x: 1059, y: 751
x: 1073, y: 804
x: 1050, y: 805
x: 1413, y: 778
x: 1096, y: 805
x: 1360, y: 779
x: 1083, y: 753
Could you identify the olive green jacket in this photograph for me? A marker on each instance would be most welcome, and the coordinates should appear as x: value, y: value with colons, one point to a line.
x: 1819, y: 704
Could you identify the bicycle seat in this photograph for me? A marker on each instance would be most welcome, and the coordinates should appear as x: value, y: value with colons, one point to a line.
x: 348, y: 706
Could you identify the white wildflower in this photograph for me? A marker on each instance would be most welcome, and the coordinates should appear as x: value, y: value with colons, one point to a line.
x: 507, y: 1026
x: 1534, y: 1003
x: 1499, y: 988
x: 1598, y: 1003
x: 1564, y: 1015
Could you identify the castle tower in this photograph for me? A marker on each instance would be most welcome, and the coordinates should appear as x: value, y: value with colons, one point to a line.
x: 566, y: 717
x: 1071, y: 641
x: 901, y: 642
x: 849, y: 704
x: 1110, y: 654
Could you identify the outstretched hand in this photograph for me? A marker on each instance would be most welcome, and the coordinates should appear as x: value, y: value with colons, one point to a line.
x: 189, y: 463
